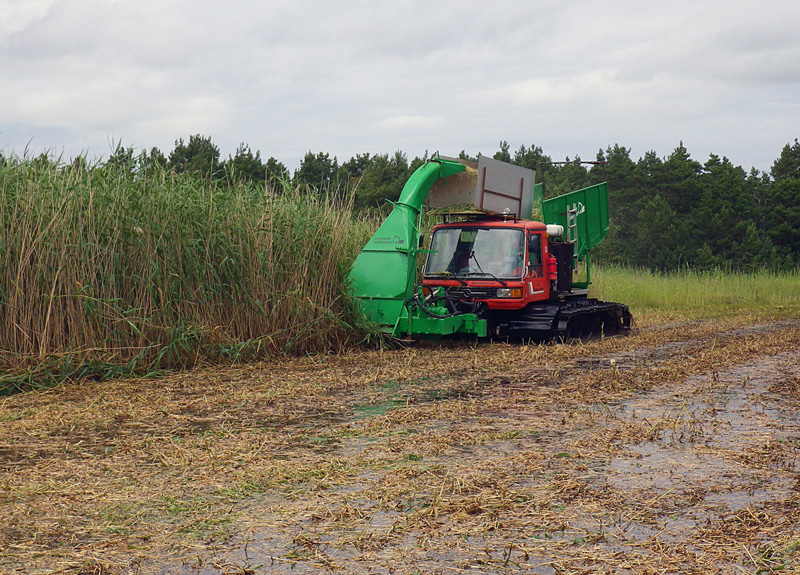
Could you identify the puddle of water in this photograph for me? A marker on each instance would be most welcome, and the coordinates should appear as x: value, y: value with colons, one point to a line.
x: 709, y: 439
x: 741, y: 499
x: 659, y: 468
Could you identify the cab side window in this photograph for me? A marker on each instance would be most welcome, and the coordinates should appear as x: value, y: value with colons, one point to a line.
x: 535, y: 255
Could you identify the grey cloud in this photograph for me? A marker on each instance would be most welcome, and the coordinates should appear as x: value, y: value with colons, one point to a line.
x: 357, y: 76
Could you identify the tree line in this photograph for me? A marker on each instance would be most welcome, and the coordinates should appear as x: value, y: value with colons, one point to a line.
x: 666, y: 212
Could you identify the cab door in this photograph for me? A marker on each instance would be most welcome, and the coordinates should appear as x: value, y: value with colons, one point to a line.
x: 536, y: 284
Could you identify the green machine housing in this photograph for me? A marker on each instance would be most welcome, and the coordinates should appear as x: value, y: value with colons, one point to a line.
x: 383, y: 276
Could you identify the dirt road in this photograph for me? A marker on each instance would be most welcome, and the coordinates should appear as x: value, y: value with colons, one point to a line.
x: 672, y: 450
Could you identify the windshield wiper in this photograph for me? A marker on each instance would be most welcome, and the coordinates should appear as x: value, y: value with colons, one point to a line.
x: 483, y: 273
x: 472, y: 256
x: 448, y: 275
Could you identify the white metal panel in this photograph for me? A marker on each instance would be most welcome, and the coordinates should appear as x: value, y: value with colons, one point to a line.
x: 504, y: 188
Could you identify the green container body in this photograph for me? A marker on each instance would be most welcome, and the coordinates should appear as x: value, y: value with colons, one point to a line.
x: 589, y: 225
x: 591, y: 205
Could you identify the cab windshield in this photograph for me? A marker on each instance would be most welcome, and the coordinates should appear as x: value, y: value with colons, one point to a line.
x: 471, y: 251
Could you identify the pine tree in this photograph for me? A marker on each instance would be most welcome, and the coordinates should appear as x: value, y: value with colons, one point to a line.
x: 200, y: 155
x: 245, y: 166
x: 318, y: 171
x: 783, y: 211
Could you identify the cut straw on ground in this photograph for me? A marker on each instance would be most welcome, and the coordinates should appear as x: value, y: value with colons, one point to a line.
x: 437, y: 458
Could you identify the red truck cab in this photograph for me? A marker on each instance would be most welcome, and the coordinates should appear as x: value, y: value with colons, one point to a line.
x: 502, y: 262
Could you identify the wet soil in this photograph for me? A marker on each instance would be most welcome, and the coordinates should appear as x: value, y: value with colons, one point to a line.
x: 672, y: 450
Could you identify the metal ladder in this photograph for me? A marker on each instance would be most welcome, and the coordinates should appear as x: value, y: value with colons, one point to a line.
x: 572, y: 234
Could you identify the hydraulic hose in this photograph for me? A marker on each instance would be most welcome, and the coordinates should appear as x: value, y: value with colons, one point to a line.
x: 451, y: 302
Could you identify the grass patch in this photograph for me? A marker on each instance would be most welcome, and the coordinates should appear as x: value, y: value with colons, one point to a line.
x: 691, y: 294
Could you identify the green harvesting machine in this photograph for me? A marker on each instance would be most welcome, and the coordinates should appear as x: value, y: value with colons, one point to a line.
x: 491, y: 269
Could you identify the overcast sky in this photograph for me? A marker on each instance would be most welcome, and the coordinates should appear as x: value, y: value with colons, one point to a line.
x: 347, y: 77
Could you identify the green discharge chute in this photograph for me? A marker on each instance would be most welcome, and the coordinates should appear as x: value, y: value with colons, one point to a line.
x: 383, y: 276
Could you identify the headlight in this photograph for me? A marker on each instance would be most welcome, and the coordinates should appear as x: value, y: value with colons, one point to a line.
x: 509, y: 292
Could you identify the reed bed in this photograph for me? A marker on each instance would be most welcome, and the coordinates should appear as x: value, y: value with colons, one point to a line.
x: 106, y: 272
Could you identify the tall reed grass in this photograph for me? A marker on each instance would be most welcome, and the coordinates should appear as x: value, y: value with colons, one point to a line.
x: 105, y: 272
x: 700, y: 294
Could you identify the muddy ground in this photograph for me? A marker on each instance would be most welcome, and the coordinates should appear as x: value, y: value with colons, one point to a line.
x: 672, y: 450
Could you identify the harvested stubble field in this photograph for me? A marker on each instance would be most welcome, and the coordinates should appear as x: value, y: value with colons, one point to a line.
x: 672, y: 450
